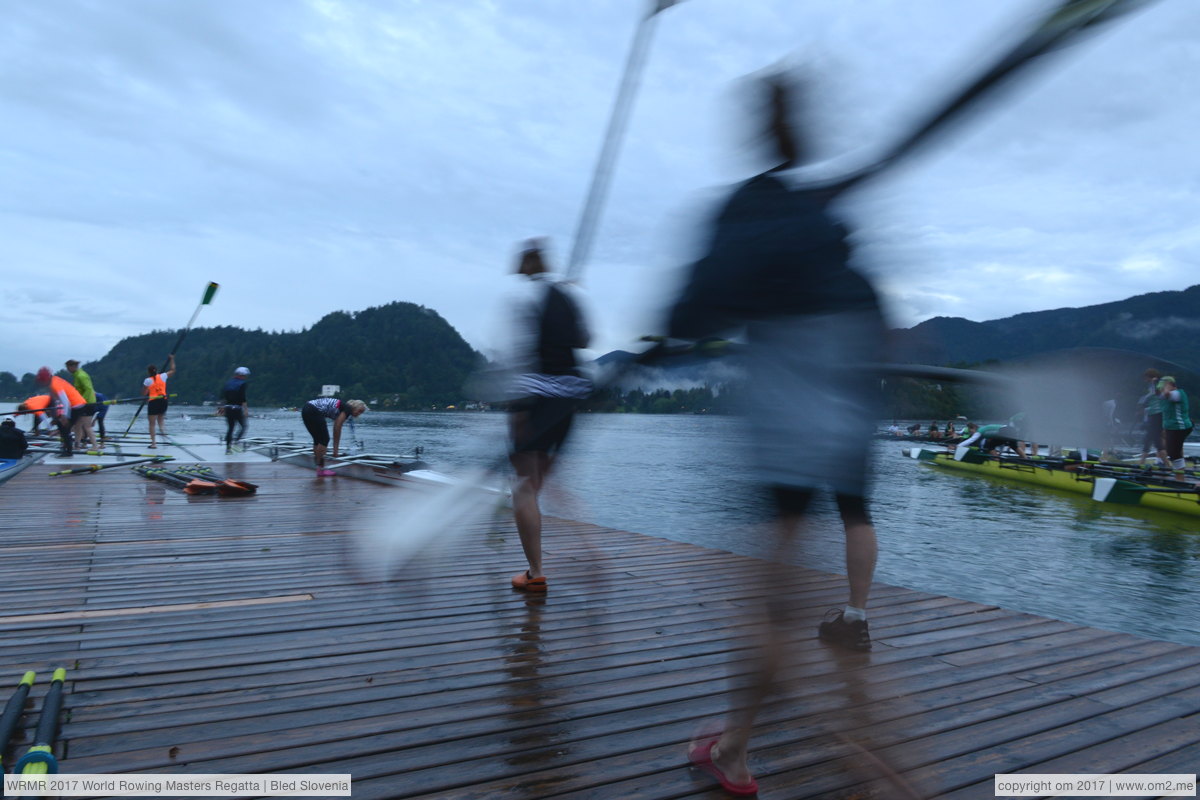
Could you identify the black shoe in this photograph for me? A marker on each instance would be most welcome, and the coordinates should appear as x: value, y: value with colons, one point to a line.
x: 851, y: 635
x: 65, y: 454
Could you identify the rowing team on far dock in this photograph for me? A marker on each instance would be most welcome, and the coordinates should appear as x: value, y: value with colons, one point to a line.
x: 76, y: 411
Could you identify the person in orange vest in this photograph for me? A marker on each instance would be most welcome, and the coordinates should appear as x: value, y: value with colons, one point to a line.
x: 67, y: 406
x: 156, y: 391
x: 36, y: 404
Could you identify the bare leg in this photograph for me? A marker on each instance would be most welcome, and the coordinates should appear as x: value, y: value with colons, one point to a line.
x: 861, y: 552
x: 531, y: 472
x: 77, y: 434
x: 319, y: 455
x: 729, y: 754
x: 83, y: 433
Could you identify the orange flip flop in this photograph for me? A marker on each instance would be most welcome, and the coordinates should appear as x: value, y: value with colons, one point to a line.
x: 525, y: 583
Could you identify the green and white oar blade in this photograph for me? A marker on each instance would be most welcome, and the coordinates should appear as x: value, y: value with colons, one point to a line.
x: 1115, y: 490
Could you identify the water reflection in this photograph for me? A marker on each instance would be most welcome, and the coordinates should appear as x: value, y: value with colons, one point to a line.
x: 856, y: 731
x: 535, y: 729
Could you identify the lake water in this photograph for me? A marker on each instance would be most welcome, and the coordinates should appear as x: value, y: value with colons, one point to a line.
x: 972, y: 537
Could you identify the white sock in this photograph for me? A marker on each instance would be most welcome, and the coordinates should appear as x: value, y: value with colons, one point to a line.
x: 852, y: 614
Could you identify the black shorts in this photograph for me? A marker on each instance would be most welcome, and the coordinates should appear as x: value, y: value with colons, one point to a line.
x: 157, y: 407
x: 315, y: 422
x: 791, y: 501
x: 1173, y: 442
x: 541, y: 424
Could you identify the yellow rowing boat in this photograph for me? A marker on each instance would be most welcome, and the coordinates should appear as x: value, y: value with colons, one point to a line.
x: 1102, y: 482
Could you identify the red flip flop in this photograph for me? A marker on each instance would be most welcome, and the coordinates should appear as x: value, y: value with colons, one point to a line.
x: 700, y: 754
x: 525, y: 583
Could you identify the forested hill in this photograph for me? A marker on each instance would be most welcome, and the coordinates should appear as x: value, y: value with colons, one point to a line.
x: 402, y: 355
x: 1165, y: 325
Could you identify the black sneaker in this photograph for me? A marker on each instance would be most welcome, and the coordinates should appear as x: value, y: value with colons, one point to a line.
x: 836, y: 630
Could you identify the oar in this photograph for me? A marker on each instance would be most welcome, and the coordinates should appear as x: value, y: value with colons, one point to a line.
x: 171, y: 479
x: 612, y: 139
x: 189, y: 485
x: 13, y: 709
x: 28, y: 411
x: 407, y: 523
x: 226, y: 486
x: 40, y: 758
x: 129, y: 400
x: 1065, y: 21
x: 210, y: 291
x: 98, y: 467
x: 1115, y: 490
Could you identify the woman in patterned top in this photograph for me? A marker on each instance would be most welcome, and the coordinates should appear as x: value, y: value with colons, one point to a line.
x: 314, y: 414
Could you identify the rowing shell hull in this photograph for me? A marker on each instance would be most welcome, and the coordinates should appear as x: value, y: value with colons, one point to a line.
x: 11, y: 467
x: 1065, y: 480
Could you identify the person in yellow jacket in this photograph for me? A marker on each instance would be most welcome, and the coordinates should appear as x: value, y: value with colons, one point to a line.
x: 156, y: 394
x: 81, y: 430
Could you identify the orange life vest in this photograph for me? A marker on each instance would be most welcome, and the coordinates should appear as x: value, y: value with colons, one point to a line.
x: 58, y: 385
x: 157, y: 390
x: 37, y: 403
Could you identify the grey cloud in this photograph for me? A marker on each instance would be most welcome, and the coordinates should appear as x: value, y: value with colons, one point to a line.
x: 317, y: 155
x: 1143, y: 329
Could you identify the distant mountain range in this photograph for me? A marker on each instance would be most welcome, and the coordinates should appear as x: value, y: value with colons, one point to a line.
x: 1164, y: 326
x: 401, y: 355
x: 407, y: 356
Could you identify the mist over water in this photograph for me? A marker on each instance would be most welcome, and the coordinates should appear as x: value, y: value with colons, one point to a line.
x: 686, y: 478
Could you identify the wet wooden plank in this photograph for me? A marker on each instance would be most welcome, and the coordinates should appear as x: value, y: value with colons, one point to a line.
x: 455, y: 686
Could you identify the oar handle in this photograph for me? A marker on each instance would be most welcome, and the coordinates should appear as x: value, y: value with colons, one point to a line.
x: 40, y: 758
x: 13, y: 709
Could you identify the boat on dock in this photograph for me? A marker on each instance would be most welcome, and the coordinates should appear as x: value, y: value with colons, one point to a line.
x: 206, y: 449
x: 1105, y: 482
x: 387, y: 468
x: 12, y: 467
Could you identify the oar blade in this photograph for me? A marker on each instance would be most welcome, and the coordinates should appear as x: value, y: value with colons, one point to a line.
x: 1115, y: 490
x: 410, y: 522
x: 196, y: 486
x: 232, y: 488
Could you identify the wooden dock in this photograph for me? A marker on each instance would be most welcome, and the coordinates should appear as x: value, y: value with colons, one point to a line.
x: 206, y: 634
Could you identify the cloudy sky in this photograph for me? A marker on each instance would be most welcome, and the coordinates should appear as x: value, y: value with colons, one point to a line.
x: 316, y: 155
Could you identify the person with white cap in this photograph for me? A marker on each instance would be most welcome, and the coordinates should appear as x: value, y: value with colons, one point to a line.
x: 234, y: 407
x: 12, y: 440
